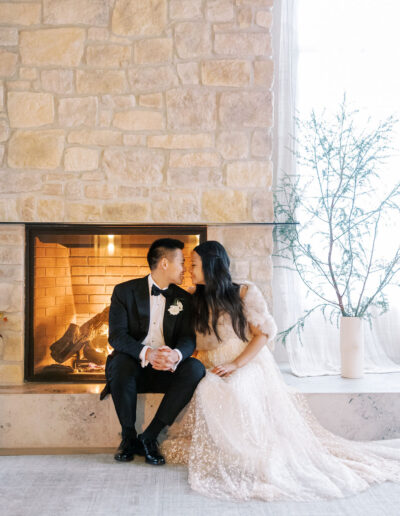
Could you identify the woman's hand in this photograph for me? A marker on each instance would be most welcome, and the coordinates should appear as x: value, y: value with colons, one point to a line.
x: 225, y: 370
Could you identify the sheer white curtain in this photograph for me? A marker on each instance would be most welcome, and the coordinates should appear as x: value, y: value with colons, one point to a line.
x: 323, y: 48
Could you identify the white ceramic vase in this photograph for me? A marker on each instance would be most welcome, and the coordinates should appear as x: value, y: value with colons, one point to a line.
x: 352, y: 347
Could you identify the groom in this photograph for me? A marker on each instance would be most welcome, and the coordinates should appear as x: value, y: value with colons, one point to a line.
x: 150, y: 329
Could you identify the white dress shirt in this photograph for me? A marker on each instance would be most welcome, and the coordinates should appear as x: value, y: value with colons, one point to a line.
x: 155, y: 337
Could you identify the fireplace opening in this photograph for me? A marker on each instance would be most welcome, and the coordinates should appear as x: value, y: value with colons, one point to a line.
x: 71, y: 273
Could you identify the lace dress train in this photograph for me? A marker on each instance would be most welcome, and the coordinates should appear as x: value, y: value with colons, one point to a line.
x: 252, y: 436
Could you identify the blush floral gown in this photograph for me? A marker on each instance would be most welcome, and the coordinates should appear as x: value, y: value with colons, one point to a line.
x: 252, y: 436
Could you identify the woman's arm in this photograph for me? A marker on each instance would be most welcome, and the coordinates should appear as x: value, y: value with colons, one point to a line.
x: 258, y: 340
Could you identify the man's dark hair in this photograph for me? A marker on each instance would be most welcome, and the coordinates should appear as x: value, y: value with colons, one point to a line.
x: 159, y: 248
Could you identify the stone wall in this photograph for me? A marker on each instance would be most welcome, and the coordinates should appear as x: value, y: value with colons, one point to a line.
x: 135, y: 111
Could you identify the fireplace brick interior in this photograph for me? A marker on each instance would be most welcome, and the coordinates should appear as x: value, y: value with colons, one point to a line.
x: 73, y: 282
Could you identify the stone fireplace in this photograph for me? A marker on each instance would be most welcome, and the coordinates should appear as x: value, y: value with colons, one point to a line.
x: 124, y: 112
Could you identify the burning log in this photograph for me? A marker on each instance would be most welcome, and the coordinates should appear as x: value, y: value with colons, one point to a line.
x: 78, y: 336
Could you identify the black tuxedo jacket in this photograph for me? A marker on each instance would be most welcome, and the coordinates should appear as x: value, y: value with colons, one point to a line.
x: 130, y: 317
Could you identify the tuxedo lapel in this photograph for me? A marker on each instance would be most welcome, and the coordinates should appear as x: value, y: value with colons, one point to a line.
x: 142, y: 297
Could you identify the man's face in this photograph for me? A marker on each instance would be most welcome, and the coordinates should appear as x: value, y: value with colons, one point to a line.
x: 176, y: 266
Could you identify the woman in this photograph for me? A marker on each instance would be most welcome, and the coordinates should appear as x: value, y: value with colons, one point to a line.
x: 245, y: 433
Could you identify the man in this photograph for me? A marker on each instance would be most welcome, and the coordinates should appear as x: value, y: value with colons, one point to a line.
x: 151, y: 331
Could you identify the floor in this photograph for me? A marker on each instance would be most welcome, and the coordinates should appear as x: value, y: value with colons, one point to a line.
x: 96, y: 485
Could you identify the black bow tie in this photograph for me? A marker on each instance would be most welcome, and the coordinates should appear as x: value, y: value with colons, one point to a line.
x: 155, y: 291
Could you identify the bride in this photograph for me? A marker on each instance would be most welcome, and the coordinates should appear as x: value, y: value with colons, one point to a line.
x: 245, y: 433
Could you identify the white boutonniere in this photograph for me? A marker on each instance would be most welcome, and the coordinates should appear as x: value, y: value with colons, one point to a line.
x: 176, y: 307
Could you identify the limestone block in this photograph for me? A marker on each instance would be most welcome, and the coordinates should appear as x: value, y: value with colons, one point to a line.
x: 219, y: 10
x: 118, y: 101
x: 20, y: 181
x: 78, y: 158
x: 52, y: 189
x: 179, y: 159
x: 245, y: 241
x: 134, y: 140
x: 98, y: 34
x: 136, y: 120
x: 185, y: 9
x: 233, y: 144
x: 178, y: 177
x: 13, y: 346
x: 261, y: 144
x: 60, y: 47
x: 152, y: 79
x: 78, y: 212
x: 135, y: 17
x: 4, y: 130
x: 75, y: 112
x: 27, y: 73
x: 246, y: 109
x: 255, y: 3
x: 1, y: 95
x: 79, y: 12
x: 8, y: 36
x: 12, y: 272
x: 11, y: 255
x: 261, y: 269
x: 243, y: 44
x: 192, y: 39
x: 102, y: 138
x: 57, y: 81
x: 240, y: 269
x: 133, y: 192
x: 224, y: 206
x: 20, y: 13
x: 225, y: 72
x: 127, y: 212
x: 244, y: 17
x: 50, y: 210
x: 73, y: 190
x: 179, y: 208
x: 249, y: 174
x: 157, y: 50
x: 134, y: 166
x: 181, y: 141
x: 189, y: 109
x: 152, y: 100
x: 8, y: 62
x: 264, y: 19
x: 11, y: 374
x: 8, y: 210
x: 101, y: 81
x: 264, y: 73
x: 26, y: 109
x: 35, y: 149
x: 188, y: 73
x: 2, y: 150
x: 262, y: 206
x: 26, y: 208
x: 105, y: 118
x: 108, y: 55
x: 6, y: 290
x: 101, y: 191
x: 18, y: 85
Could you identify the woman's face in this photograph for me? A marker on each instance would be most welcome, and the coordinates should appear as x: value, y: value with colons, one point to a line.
x: 197, y: 270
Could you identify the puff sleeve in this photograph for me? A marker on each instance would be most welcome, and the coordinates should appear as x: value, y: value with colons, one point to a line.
x: 257, y: 313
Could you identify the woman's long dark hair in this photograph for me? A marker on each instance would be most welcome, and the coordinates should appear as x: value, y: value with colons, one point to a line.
x: 219, y: 294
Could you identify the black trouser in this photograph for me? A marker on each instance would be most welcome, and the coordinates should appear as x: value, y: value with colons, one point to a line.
x: 127, y: 378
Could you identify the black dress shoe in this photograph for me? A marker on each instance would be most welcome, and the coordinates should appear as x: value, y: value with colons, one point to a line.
x: 126, y: 450
x: 151, y: 451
